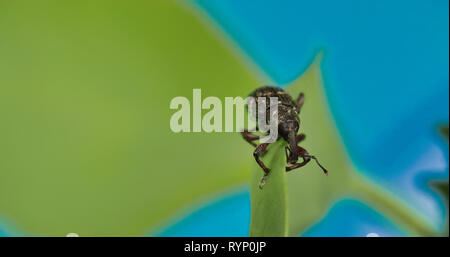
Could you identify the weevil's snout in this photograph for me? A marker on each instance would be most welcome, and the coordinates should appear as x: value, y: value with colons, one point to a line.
x: 288, y: 131
x: 293, y: 148
x: 293, y: 156
x: 293, y: 160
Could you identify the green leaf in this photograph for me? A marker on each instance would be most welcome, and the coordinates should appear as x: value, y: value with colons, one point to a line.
x: 310, y: 193
x: 269, y: 203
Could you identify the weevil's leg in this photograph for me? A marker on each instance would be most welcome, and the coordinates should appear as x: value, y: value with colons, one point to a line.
x: 300, y: 137
x: 300, y: 101
x: 249, y: 137
x: 259, y: 151
x: 298, y: 165
x: 302, y: 153
x: 306, y: 158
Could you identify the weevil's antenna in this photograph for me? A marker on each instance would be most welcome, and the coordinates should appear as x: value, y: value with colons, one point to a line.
x: 300, y: 101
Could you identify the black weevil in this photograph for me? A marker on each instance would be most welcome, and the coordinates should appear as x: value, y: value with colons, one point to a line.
x: 288, y: 126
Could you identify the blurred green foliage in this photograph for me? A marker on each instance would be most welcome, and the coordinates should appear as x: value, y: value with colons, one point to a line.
x: 85, y: 87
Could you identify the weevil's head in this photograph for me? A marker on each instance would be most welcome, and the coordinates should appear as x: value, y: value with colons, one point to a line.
x: 288, y: 131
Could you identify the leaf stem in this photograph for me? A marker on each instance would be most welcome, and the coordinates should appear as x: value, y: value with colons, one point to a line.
x: 396, y: 209
x: 269, y: 204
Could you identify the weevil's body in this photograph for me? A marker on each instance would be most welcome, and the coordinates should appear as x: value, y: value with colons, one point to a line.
x: 288, y: 125
x: 288, y: 109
